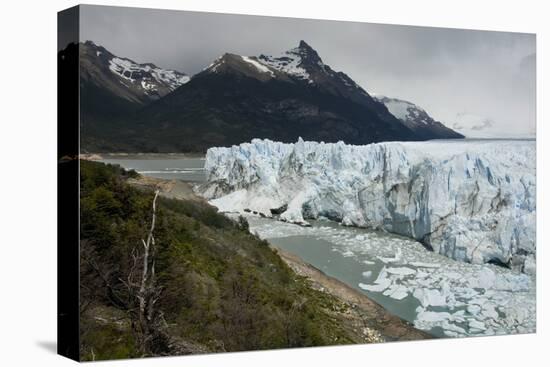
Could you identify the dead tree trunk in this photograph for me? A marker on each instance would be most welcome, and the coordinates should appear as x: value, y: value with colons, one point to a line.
x: 144, y: 292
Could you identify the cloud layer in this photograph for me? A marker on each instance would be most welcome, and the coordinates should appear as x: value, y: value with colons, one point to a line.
x: 446, y: 71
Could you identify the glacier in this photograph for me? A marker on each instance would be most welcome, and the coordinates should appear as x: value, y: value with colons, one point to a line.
x: 472, y: 201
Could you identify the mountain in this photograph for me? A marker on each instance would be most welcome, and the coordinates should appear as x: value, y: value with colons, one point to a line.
x: 238, y: 98
x: 141, y: 108
x: 417, y: 119
x: 113, y: 87
x: 125, y: 78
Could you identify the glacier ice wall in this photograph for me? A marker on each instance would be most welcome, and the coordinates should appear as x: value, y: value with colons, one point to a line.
x: 472, y: 201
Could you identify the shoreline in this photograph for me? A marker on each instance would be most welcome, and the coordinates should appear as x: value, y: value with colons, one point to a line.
x: 363, y: 310
x: 367, y: 319
x: 123, y: 155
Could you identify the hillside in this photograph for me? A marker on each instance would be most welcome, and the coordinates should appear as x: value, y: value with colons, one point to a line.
x: 216, y: 286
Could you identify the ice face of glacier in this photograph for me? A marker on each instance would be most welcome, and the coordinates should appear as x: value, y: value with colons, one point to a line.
x: 472, y: 201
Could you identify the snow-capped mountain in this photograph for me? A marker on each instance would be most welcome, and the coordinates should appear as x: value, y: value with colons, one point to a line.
x: 237, y: 98
x: 127, y: 79
x: 417, y: 119
x: 300, y: 64
x: 112, y: 90
x: 471, y: 201
x: 304, y: 63
x: 234, y: 99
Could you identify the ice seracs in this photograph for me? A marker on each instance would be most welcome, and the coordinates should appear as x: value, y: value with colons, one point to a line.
x: 470, y: 201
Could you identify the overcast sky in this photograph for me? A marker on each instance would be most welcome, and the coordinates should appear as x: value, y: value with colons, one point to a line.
x: 446, y: 71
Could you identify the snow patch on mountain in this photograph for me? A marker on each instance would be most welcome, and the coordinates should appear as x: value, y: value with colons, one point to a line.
x: 290, y: 63
x: 404, y: 110
x: 260, y: 67
x: 470, y: 201
x: 149, y: 74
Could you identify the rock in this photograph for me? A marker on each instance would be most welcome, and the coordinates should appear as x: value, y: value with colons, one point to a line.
x: 279, y: 210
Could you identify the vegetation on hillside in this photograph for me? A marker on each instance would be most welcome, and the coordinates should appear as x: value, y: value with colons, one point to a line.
x: 213, y: 286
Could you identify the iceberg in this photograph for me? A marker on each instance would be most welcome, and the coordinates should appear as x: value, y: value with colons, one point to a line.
x: 472, y: 201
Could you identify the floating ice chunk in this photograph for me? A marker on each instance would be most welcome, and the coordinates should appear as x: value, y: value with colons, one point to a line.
x: 489, y: 311
x: 378, y: 287
x: 420, y: 264
x: 473, y: 309
x: 367, y: 274
x: 401, y: 271
x: 394, y: 259
x: 484, y: 279
x: 348, y: 253
x: 475, y: 324
x: 452, y: 327
x: 430, y: 297
x: 530, y: 265
x: 396, y: 291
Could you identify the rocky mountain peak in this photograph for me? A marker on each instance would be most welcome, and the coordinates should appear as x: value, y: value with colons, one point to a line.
x: 308, y: 54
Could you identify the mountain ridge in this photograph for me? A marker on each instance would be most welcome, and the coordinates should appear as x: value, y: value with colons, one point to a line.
x: 238, y: 98
x: 417, y: 119
x: 234, y: 99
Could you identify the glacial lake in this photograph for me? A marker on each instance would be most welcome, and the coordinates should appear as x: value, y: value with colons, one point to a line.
x: 442, y: 296
x: 165, y: 166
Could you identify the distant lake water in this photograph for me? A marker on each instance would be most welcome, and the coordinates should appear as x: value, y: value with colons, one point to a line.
x: 165, y: 166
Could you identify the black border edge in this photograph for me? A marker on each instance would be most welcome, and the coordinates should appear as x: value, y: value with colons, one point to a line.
x: 68, y: 182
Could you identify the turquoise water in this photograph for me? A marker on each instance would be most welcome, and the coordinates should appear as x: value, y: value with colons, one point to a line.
x: 347, y: 269
x: 163, y: 166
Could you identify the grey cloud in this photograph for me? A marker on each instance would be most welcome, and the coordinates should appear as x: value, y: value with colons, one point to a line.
x: 446, y: 71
